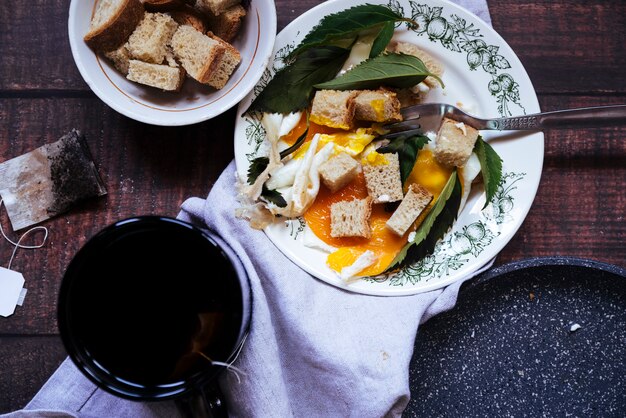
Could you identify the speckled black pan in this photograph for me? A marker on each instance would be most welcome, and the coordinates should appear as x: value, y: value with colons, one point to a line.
x: 539, y: 337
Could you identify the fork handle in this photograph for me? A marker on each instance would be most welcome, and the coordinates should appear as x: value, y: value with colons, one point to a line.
x: 572, y: 118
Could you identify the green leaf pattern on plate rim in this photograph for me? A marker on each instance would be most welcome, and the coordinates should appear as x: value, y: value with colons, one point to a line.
x: 455, y: 34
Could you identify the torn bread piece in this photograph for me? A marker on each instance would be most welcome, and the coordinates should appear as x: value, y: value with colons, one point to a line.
x: 339, y: 171
x: 455, y: 143
x: 383, y: 180
x: 187, y: 15
x: 227, y: 24
x: 377, y: 106
x: 350, y: 218
x: 120, y: 58
x: 415, y: 201
x: 334, y: 108
x: 148, y: 43
x: 164, y: 77
x: 365, y: 260
x: 112, y: 23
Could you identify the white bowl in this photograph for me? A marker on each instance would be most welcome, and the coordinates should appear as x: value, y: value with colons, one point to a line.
x: 195, y: 102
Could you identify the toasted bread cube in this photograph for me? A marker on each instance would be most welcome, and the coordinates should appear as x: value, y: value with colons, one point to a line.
x: 415, y: 201
x: 199, y: 55
x: 112, y: 23
x: 383, y: 181
x: 333, y: 108
x: 351, y: 218
x: 230, y: 60
x: 161, y: 76
x: 216, y: 7
x: 455, y: 143
x: 149, y: 41
x: 163, y: 5
x: 227, y: 24
x: 339, y: 171
x: 120, y: 58
x: 377, y: 106
x: 187, y: 15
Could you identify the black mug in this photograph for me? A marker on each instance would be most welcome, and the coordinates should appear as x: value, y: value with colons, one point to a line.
x: 153, y: 308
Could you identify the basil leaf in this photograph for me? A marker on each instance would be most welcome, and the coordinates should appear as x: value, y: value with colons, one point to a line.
x: 291, y: 89
x: 438, y: 221
x: 337, y: 28
x: 258, y: 165
x: 392, y: 69
x: 383, y: 39
x: 407, y: 149
x: 274, y: 197
x: 490, y: 167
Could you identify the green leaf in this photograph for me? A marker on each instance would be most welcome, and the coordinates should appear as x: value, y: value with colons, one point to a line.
x: 339, y: 28
x: 383, y: 39
x: 258, y: 165
x: 435, y: 225
x: 490, y: 166
x: 291, y: 89
x: 274, y: 197
x: 407, y: 149
x: 392, y: 69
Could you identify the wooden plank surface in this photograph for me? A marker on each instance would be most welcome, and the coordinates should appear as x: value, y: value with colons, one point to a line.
x: 572, y: 50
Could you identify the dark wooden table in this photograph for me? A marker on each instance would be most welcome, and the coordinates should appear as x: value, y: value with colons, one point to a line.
x: 573, y: 51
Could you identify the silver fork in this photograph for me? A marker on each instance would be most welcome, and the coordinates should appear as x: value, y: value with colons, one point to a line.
x: 427, y: 117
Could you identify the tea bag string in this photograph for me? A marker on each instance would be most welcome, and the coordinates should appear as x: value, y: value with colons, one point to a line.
x: 18, y: 244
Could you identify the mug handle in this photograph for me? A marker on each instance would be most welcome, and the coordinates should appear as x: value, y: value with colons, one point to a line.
x: 206, y: 402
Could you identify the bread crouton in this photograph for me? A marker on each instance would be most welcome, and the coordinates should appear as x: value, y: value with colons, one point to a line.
x: 455, y: 143
x: 230, y: 60
x: 162, y: 5
x: 350, y: 218
x: 377, y: 106
x: 383, y: 181
x: 415, y: 201
x: 216, y: 7
x: 149, y: 41
x: 199, y: 55
x: 227, y: 24
x: 339, y: 171
x: 112, y: 23
x: 160, y: 76
x: 119, y: 57
x: 333, y: 108
x: 187, y: 15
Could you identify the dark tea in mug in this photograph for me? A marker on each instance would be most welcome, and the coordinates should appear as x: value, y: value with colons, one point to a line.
x: 149, y: 304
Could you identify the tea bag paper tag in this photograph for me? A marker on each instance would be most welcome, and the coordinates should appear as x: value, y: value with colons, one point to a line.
x: 12, y: 292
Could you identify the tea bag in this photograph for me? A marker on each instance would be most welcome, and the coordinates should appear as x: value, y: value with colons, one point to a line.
x: 49, y: 180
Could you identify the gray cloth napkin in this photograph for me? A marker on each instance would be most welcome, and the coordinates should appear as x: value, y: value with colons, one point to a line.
x: 313, y: 350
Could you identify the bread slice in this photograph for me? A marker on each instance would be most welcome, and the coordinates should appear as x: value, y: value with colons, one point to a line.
x: 216, y: 7
x: 199, y: 55
x: 230, y: 60
x: 339, y: 171
x: 334, y: 108
x: 187, y: 15
x: 415, y: 201
x: 377, y: 106
x: 119, y: 58
x: 455, y: 143
x: 163, y: 5
x: 112, y: 23
x: 160, y: 76
x: 149, y: 40
x: 351, y: 218
x: 227, y: 24
x: 383, y: 181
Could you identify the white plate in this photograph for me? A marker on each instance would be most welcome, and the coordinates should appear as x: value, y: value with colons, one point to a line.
x: 482, y: 73
x: 195, y: 102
